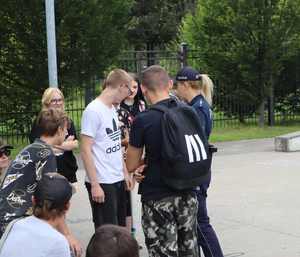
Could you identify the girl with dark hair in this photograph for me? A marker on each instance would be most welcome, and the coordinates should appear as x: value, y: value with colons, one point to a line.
x: 135, y: 103
x: 128, y: 109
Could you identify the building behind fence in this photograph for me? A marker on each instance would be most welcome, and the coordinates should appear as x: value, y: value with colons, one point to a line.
x: 15, y: 126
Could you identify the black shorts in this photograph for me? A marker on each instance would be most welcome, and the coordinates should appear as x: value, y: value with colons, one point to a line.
x: 113, y: 210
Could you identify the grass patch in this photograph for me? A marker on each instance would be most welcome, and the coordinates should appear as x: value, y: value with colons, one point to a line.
x: 17, y: 149
x: 249, y: 132
x: 220, y: 135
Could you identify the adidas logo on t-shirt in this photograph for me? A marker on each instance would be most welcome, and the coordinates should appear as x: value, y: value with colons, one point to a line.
x: 114, y: 134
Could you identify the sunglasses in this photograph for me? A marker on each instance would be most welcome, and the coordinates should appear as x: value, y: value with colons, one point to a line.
x: 5, y: 152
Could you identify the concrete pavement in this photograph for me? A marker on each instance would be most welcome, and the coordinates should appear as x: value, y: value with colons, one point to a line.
x: 253, y: 201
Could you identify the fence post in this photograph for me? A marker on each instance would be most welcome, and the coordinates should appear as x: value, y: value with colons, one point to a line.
x: 138, y: 59
x: 271, y: 114
x: 183, y: 54
x: 89, y: 92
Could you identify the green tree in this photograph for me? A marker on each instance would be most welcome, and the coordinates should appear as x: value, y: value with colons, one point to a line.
x: 89, y: 34
x: 244, y: 44
x: 156, y: 23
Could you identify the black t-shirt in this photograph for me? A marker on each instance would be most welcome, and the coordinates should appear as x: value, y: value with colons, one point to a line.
x: 134, y: 109
x: 66, y: 162
x: 20, y: 181
x: 146, y: 131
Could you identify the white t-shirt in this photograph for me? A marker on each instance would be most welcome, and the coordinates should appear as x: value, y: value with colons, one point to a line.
x: 35, y: 238
x: 101, y: 123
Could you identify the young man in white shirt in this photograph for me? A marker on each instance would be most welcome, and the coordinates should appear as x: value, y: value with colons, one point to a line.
x: 101, y: 152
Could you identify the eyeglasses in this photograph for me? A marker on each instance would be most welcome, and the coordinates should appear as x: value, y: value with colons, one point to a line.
x: 4, y: 152
x: 56, y: 100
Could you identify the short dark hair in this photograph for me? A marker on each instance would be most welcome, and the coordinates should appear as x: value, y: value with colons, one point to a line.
x: 112, y: 241
x: 155, y: 77
x: 49, y: 120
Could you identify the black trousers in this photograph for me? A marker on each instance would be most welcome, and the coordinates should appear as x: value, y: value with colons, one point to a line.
x: 113, y: 210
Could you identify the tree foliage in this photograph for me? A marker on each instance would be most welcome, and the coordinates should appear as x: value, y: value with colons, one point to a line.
x: 89, y: 36
x: 155, y: 23
x: 244, y: 44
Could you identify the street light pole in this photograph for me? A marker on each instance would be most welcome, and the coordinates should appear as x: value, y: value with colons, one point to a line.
x: 51, y: 43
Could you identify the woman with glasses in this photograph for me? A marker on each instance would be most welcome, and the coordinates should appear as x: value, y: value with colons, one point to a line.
x: 4, y: 158
x: 66, y: 162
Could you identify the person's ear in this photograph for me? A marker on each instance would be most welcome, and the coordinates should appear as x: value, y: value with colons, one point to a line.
x: 143, y: 89
x: 171, y: 84
x: 67, y: 206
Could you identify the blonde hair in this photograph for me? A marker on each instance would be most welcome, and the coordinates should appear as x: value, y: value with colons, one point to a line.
x: 205, y: 85
x: 115, y: 77
x: 47, y: 97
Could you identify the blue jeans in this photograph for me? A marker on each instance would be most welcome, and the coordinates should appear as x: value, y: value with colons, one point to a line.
x: 207, y: 238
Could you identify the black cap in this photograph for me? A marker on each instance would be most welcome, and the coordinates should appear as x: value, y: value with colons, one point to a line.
x: 54, y: 188
x: 4, y: 146
x: 188, y: 74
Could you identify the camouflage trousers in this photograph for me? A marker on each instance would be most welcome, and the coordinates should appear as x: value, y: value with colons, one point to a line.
x: 170, y: 226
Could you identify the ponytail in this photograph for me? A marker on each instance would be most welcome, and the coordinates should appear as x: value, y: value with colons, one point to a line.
x: 207, y: 88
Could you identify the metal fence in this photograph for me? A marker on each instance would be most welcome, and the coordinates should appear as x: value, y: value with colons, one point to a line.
x: 228, y: 112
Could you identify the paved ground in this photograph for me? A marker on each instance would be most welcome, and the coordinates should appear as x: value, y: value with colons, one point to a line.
x: 253, y: 201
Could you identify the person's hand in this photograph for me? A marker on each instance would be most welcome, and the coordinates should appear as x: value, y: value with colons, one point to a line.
x: 125, y: 140
x: 128, y: 181
x: 70, y: 143
x: 97, y: 193
x: 74, y: 245
x: 70, y: 138
x: 138, y: 173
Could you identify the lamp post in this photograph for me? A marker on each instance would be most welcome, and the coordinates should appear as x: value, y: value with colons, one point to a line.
x: 51, y: 43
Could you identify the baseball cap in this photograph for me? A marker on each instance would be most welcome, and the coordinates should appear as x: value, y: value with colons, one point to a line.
x: 54, y: 188
x: 188, y: 74
x: 4, y: 146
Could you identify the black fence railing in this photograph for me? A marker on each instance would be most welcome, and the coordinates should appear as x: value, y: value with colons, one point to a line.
x: 229, y: 110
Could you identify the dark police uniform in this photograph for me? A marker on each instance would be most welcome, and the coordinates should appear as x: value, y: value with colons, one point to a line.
x: 207, y: 237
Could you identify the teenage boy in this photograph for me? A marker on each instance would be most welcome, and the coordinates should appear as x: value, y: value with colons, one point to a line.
x: 169, y: 216
x: 39, y: 234
x: 28, y: 168
x: 101, y: 152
